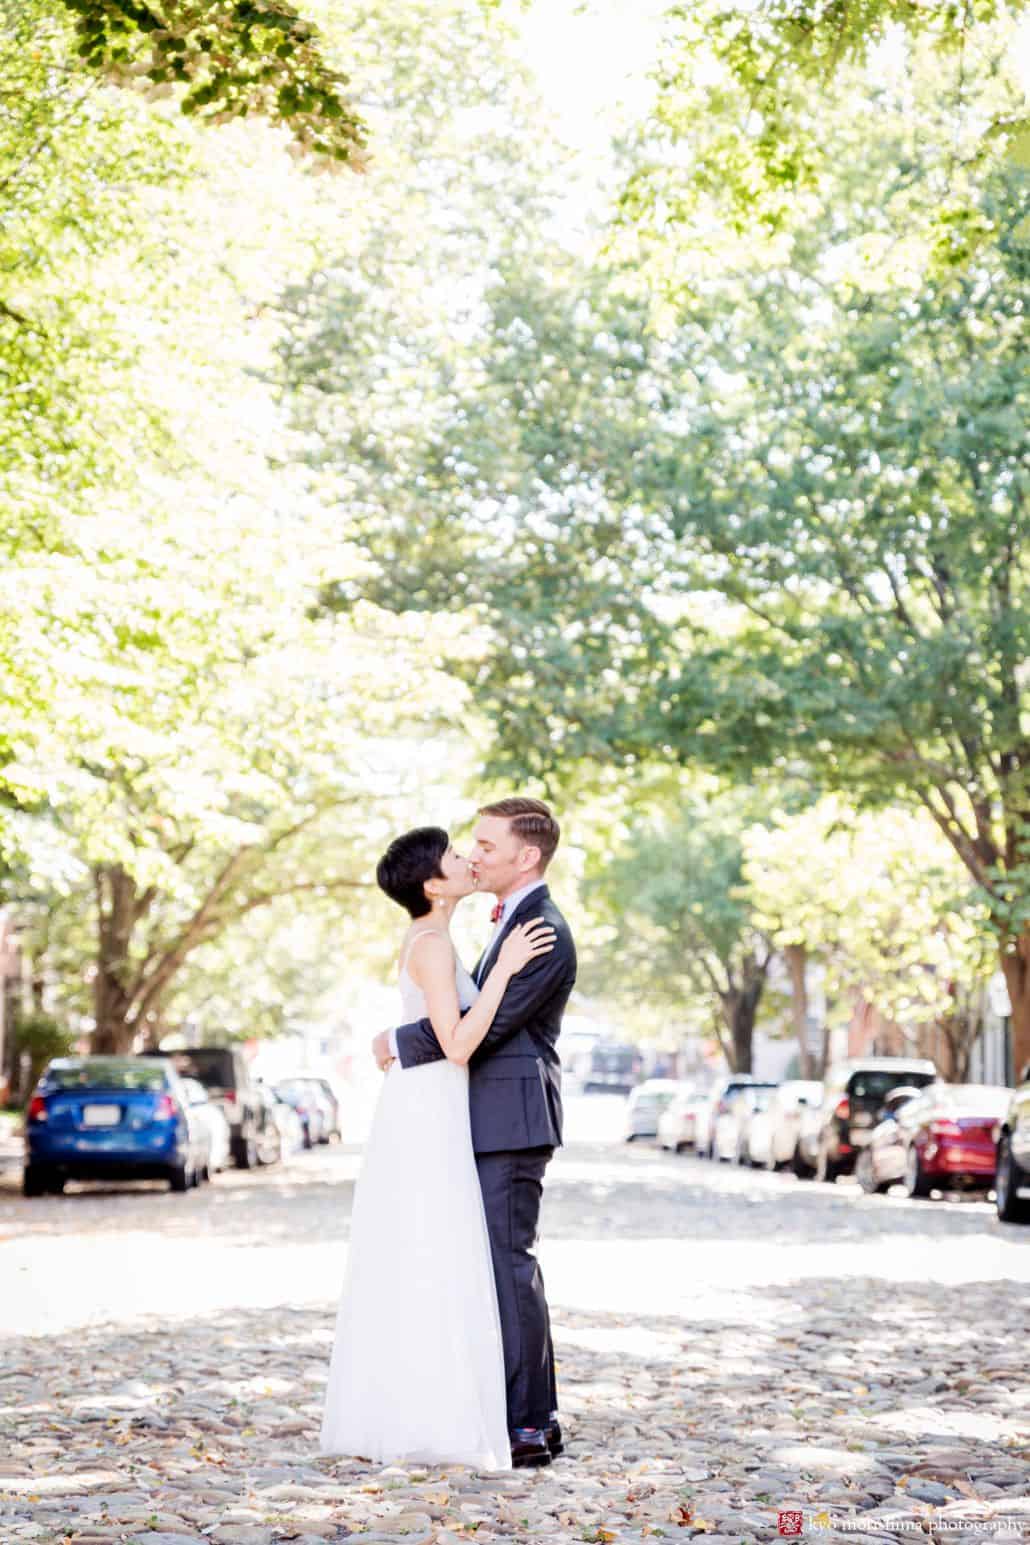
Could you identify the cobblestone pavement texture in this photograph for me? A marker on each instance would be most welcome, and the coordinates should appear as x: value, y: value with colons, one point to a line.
x: 733, y: 1346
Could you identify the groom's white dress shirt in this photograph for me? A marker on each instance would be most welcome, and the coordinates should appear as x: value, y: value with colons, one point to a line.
x: 510, y: 903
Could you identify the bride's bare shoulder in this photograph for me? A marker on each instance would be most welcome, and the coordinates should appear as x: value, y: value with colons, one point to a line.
x: 424, y: 950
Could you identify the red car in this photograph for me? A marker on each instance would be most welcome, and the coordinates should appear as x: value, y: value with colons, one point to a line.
x: 950, y: 1137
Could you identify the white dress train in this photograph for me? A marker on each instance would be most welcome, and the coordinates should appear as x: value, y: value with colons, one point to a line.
x: 417, y: 1369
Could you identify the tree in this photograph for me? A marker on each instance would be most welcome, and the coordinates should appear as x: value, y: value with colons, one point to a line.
x: 682, y: 926
x: 737, y: 136
x: 885, y: 906
x: 230, y: 60
x: 788, y: 531
x: 171, y: 823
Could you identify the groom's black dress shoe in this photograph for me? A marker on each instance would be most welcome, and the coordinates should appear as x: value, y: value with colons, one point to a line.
x: 555, y: 1441
x: 529, y: 1446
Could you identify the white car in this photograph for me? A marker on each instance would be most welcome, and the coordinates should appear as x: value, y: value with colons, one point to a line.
x: 732, y: 1118
x: 716, y: 1104
x: 645, y: 1105
x: 289, y: 1126
x: 774, y: 1132
x: 678, y: 1123
x: 209, y: 1112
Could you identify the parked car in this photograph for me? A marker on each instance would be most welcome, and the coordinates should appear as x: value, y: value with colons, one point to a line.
x: 806, y: 1149
x: 853, y: 1096
x: 881, y: 1162
x: 288, y: 1124
x: 718, y: 1104
x: 950, y: 1137
x: 310, y: 1105
x: 270, y: 1147
x: 112, y: 1118
x: 324, y: 1092
x: 645, y: 1105
x: 731, y: 1125
x: 613, y: 1067
x: 226, y: 1076
x: 677, y: 1124
x: 211, y: 1114
x: 774, y: 1132
x: 1012, y: 1177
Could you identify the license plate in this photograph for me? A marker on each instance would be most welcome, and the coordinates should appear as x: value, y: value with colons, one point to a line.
x: 101, y: 1115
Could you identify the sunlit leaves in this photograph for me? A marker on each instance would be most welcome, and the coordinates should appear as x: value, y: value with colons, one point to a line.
x: 227, y: 60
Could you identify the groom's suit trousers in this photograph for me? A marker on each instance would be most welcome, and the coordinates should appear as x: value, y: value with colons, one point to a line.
x: 512, y: 1184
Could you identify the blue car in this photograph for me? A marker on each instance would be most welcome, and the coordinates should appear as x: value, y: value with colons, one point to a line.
x: 112, y: 1118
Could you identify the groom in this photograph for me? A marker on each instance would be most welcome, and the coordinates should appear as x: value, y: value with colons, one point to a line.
x: 515, y: 1104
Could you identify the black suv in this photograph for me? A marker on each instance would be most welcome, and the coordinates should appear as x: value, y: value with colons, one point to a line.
x: 1012, y: 1174
x: 225, y: 1075
x: 853, y: 1096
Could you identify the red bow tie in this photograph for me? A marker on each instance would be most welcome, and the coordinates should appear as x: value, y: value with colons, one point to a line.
x: 497, y: 913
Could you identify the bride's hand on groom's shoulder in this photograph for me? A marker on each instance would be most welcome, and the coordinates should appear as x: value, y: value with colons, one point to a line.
x: 381, y: 1050
x: 525, y: 943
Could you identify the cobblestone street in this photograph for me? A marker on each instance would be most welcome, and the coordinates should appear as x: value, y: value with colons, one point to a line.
x: 733, y: 1346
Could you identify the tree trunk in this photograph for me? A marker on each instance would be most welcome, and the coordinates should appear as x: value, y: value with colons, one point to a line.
x: 796, y: 957
x: 1015, y: 963
x: 824, y: 1057
x: 740, y: 1009
x: 116, y: 897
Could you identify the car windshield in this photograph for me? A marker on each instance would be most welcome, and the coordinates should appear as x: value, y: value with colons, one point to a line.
x: 107, y: 1075
x: 875, y: 1084
x: 211, y: 1067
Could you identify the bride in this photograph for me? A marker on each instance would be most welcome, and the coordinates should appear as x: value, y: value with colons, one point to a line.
x: 417, y: 1369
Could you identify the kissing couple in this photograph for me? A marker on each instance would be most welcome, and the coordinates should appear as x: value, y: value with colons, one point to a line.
x: 443, y: 1348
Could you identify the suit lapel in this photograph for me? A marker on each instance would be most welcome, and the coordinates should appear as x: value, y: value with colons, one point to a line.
x: 521, y: 912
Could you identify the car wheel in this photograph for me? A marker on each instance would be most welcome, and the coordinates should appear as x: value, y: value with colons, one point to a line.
x: 246, y: 1153
x: 1009, y: 1177
x: 34, y: 1181
x: 682, y: 1147
x: 865, y: 1174
x: 631, y: 1137
x: 916, y: 1182
x: 179, y: 1178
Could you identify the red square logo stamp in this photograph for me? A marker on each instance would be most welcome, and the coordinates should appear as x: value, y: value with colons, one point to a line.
x: 790, y: 1525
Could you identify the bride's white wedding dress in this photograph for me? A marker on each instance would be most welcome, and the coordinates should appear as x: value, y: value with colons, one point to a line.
x: 417, y: 1370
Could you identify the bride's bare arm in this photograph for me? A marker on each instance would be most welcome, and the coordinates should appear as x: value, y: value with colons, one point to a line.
x: 432, y: 969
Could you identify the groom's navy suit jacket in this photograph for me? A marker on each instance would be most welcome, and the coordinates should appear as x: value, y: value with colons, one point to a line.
x: 515, y: 1072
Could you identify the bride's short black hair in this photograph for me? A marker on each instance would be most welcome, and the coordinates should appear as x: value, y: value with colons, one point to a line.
x: 408, y: 863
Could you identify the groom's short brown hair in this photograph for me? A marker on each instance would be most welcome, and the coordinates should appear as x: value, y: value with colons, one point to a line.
x: 531, y: 821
